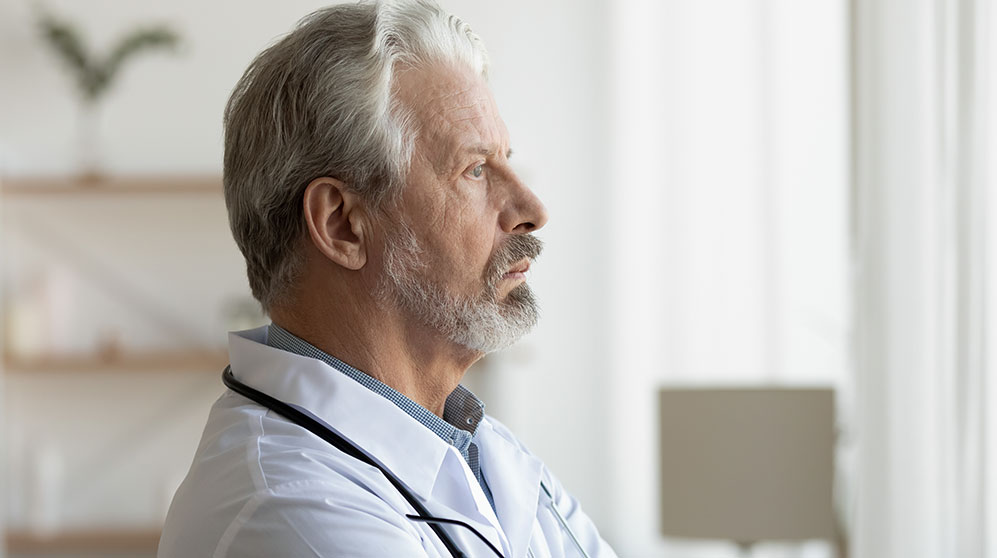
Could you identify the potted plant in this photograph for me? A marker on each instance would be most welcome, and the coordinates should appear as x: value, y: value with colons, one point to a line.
x: 94, y: 76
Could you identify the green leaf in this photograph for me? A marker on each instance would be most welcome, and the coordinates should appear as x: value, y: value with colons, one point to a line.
x: 94, y: 78
x: 68, y: 45
x: 152, y: 38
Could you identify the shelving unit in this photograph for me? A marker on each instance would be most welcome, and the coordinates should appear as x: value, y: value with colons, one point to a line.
x: 159, y: 361
x: 110, y: 185
x: 26, y: 369
x: 142, y: 541
x: 114, y: 186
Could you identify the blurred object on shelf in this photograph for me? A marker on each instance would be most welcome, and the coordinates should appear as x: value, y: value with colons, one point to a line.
x: 94, y: 76
x: 40, y: 313
x: 109, y: 346
x: 47, y: 470
x: 23, y: 328
x: 16, y: 441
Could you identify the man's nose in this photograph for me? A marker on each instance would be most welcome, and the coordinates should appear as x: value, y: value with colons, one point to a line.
x: 525, y: 212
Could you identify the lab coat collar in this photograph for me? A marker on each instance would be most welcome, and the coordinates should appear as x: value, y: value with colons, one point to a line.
x: 518, y: 473
x: 414, y: 453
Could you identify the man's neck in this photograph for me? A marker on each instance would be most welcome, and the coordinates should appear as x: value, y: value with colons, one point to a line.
x: 412, y: 359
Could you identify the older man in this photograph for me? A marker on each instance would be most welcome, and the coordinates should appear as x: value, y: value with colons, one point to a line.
x: 368, y: 185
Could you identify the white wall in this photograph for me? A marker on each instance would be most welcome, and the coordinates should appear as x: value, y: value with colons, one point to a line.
x: 548, y: 73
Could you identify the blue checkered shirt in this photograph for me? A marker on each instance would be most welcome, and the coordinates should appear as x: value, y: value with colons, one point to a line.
x: 462, y: 411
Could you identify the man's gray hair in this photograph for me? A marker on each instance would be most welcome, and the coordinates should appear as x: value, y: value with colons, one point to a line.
x: 318, y: 103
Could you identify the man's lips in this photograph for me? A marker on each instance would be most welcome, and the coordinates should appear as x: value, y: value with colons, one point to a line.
x: 518, y: 270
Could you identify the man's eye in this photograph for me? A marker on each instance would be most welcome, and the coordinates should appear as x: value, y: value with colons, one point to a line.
x: 477, y: 171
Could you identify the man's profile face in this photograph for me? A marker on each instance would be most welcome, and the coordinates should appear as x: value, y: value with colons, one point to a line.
x: 458, y: 258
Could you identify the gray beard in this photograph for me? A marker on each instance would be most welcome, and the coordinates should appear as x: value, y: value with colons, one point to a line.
x: 483, y: 323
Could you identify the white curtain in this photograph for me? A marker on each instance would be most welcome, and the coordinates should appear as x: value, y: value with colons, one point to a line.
x: 923, y: 289
x: 729, y: 224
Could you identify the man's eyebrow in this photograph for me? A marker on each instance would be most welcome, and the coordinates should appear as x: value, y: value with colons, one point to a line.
x: 487, y: 151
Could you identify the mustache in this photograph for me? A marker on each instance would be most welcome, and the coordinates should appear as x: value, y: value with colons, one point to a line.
x: 517, y: 247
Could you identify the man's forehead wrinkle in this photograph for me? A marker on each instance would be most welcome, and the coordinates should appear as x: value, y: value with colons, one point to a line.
x: 450, y: 92
x: 461, y: 113
x: 440, y: 98
x: 469, y: 118
x: 454, y: 115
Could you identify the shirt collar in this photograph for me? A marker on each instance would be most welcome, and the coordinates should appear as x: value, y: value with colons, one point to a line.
x: 462, y: 412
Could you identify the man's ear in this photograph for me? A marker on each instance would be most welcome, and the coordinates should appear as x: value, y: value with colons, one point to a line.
x: 337, y: 222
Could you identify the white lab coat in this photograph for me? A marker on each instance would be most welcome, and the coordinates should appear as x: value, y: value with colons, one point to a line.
x: 263, y: 487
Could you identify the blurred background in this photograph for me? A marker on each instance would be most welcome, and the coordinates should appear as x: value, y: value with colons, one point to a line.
x: 767, y: 289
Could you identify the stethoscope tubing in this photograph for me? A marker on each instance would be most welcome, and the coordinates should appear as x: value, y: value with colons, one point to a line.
x: 316, y: 426
x: 305, y: 419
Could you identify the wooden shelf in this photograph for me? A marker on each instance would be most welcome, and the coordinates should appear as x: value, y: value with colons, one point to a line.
x: 162, y: 361
x: 139, y: 540
x: 38, y: 186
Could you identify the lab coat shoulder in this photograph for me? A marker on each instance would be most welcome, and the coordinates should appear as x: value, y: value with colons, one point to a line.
x: 261, y: 487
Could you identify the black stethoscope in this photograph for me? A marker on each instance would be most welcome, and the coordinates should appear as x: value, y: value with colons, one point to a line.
x: 305, y: 419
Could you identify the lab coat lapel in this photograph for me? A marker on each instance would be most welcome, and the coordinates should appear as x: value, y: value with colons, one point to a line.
x: 377, y: 426
x: 514, y: 477
x: 475, y: 520
x: 418, y: 457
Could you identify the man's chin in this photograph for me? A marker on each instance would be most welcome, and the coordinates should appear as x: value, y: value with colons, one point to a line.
x: 489, y: 326
x: 520, y: 295
x: 521, y: 305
